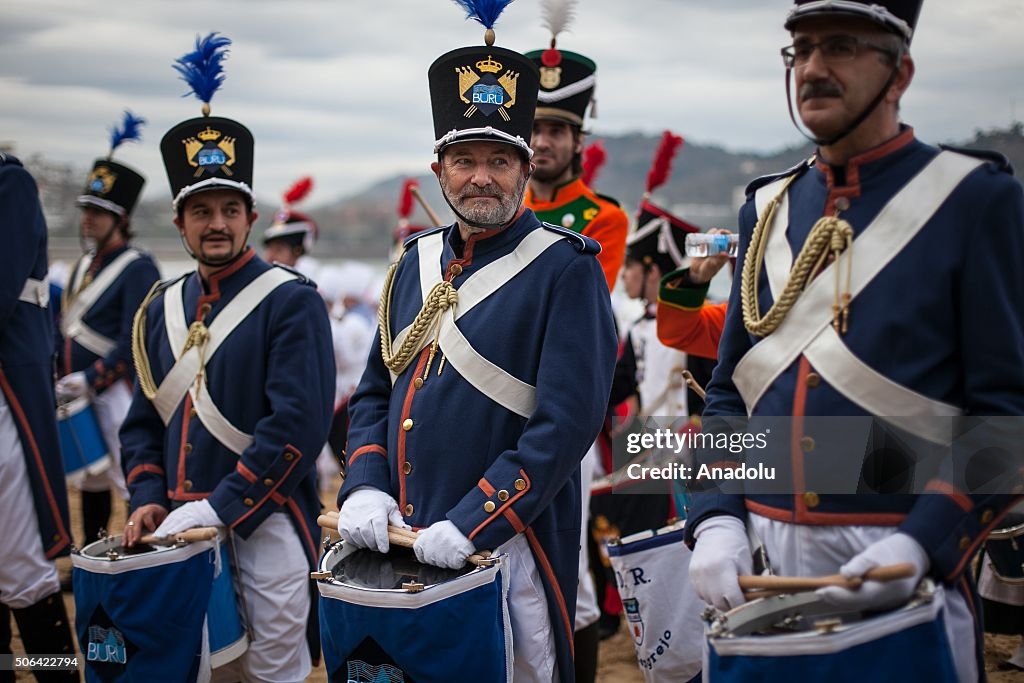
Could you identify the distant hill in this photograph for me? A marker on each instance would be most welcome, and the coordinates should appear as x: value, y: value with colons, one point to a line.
x: 705, y: 188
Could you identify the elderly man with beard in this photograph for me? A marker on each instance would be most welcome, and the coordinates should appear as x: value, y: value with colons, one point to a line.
x: 471, y: 426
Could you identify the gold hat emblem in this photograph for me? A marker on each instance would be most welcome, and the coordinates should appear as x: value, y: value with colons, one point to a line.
x: 101, y: 181
x: 550, y: 77
x: 486, y: 93
x: 211, y: 151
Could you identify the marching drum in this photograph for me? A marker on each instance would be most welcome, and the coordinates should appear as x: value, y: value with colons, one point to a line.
x: 81, y: 441
x: 389, y: 617
x: 663, y: 613
x: 168, y: 612
x: 800, y: 638
x: 1001, y: 583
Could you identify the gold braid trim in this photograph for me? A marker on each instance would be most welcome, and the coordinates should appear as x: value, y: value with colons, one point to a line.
x: 830, y: 235
x: 442, y: 297
x: 142, y: 368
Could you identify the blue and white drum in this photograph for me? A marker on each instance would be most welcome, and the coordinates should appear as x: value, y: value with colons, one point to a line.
x: 800, y: 638
x: 81, y: 441
x: 387, y: 617
x: 1001, y: 581
x: 162, y: 612
x: 663, y: 613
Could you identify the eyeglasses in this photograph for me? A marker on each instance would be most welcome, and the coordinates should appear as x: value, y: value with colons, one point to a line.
x: 834, y: 49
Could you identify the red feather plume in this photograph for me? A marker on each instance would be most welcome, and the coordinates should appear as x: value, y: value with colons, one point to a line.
x: 594, y: 157
x: 405, y: 203
x: 298, y: 191
x: 662, y: 166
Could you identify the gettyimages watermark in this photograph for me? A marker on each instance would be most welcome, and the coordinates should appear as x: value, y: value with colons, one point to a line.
x: 829, y: 455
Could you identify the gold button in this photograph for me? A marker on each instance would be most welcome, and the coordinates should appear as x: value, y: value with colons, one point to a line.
x: 418, y: 382
x: 520, y: 484
x: 289, y: 456
x: 204, y: 309
x: 407, y: 425
x: 192, y: 412
x: 248, y: 502
x: 489, y: 506
x: 187, y: 448
x: 842, y: 203
x: 987, y: 516
x: 268, y: 482
x: 807, y: 444
x: 187, y: 485
x: 503, y: 495
x: 813, y: 380
x: 409, y: 509
x: 406, y: 467
x: 965, y: 543
x: 56, y: 537
x: 811, y: 499
x: 455, y: 269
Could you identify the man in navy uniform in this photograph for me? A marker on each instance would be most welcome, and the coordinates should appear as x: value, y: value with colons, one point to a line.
x: 473, y: 427
x: 104, y: 290
x: 917, y: 313
x: 228, y: 418
x: 33, y: 499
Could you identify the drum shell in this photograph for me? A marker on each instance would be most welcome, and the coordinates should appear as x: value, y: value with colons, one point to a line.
x: 456, y: 630
x: 1005, y: 550
x: 81, y: 440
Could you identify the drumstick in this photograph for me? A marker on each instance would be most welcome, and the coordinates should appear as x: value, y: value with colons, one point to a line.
x: 692, y: 383
x: 765, y: 586
x: 415, y: 191
x: 203, y: 533
x: 403, y: 538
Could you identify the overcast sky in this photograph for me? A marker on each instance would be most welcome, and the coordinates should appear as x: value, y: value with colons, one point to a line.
x: 337, y: 88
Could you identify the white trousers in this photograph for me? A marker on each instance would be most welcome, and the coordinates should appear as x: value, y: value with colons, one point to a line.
x: 802, y: 550
x: 26, y: 576
x: 111, y: 409
x: 533, y: 641
x: 587, y: 611
x: 274, y: 576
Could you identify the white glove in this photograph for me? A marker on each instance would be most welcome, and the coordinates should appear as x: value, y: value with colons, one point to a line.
x: 443, y: 545
x: 190, y: 515
x: 877, y: 595
x: 722, y: 554
x: 71, y: 386
x: 365, y: 516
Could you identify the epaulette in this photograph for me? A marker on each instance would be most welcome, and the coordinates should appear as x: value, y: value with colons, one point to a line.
x: 412, y: 238
x: 303, y: 278
x: 9, y: 160
x: 613, y: 200
x: 1002, y: 163
x: 583, y: 244
x: 758, y: 183
x: 162, y: 285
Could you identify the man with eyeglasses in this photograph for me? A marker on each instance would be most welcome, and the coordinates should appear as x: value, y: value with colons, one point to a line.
x: 896, y: 244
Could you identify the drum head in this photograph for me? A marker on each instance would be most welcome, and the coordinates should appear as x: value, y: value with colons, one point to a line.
x: 363, y: 568
x: 110, y: 548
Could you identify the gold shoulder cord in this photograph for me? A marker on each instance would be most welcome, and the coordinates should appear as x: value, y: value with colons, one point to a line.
x: 440, y: 298
x: 139, y: 357
x: 830, y: 235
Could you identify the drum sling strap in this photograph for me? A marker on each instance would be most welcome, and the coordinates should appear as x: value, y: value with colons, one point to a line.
x: 80, y: 303
x: 192, y: 355
x: 807, y: 329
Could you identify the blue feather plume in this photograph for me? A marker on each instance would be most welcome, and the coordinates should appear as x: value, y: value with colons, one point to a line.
x: 130, y: 129
x: 202, y: 69
x: 484, y: 11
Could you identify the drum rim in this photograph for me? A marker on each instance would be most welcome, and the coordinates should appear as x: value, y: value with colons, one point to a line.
x: 1006, y: 533
x: 339, y: 544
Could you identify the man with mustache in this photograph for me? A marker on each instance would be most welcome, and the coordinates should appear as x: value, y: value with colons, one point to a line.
x: 234, y: 399
x: 103, y: 292
x: 471, y: 426
x: 896, y: 244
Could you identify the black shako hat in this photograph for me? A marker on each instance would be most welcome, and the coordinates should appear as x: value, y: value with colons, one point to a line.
x: 209, y: 152
x: 112, y: 186
x: 898, y: 16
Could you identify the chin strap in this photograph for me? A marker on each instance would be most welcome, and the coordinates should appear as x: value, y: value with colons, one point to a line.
x: 825, y: 142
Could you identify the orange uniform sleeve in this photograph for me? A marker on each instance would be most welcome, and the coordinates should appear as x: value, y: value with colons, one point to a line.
x: 685, y: 321
x: 609, y: 228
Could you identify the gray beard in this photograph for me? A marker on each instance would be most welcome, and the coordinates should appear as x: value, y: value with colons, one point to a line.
x: 486, y: 217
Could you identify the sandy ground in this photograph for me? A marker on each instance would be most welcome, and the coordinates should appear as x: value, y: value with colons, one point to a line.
x: 617, y: 662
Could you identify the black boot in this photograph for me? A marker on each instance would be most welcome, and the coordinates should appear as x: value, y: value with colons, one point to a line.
x: 45, y: 630
x: 96, y: 508
x: 5, y: 642
x: 585, y: 645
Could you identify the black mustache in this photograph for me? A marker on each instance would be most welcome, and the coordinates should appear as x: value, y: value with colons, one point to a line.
x: 820, y: 89
x: 215, y: 234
